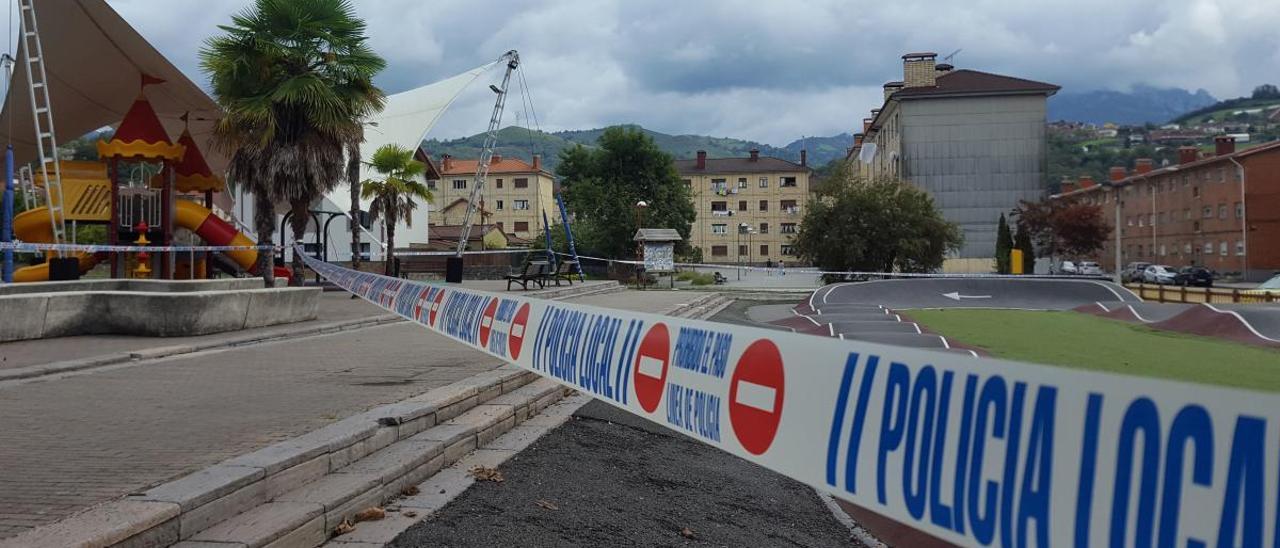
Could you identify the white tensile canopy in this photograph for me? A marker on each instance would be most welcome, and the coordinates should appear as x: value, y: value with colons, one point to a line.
x: 94, y: 61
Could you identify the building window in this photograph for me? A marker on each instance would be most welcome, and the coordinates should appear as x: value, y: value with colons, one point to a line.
x: 1239, y: 210
x: 1186, y: 249
x: 1195, y: 191
x: 719, y: 186
x: 519, y: 205
x: 1186, y: 180
x: 1163, y: 250
x: 1239, y: 248
x: 499, y: 208
x: 742, y: 250
x: 1129, y: 221
x: 719, y: 251
x: 719, y: 229
x: 1207, y: 212
x: 1208, y: 248
x: 764, y: 250
x: 1186, y: 214
x: 786, y: 182
x: 1142, y: 220
x: 688, y: 183
x: 787, y: 249
x: 1222, y: 211
x: 764, y: 228
x: 522, y: 182
x: 764, y: 205
x: 764, y: 182
x: 1222, y: 248
x: 788, y: 228
x: 719, y: 206
x: 498, y: 183
x: 1195, y: 226
x: 522, y: 226
x: 789, y: 207
x: 742, y: 205
x: 431, y: 185
x: 742, y: 182
x: 459, y: 184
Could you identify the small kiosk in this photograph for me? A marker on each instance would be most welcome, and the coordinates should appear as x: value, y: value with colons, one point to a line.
x: 658, y: 247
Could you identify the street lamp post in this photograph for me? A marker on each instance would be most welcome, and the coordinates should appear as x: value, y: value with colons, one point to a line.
x: 743, y: 229
x: 640, y: 208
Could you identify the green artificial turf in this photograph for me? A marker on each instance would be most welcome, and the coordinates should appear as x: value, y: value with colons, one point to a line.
x: 1072, y: 339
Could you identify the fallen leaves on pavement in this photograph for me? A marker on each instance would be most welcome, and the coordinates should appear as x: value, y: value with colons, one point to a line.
x: 686, y: 532
x: 344, y: 528
x: 372, y: 513
x: 484, y: 473
x: 547, y: 504
x: 409, y: 491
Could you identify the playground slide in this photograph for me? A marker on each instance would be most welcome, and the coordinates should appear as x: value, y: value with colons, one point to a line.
x: 33, y: 226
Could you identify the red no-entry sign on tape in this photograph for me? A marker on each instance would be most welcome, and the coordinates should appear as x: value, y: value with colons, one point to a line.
x: 650, y: 369
x: 755, y: 396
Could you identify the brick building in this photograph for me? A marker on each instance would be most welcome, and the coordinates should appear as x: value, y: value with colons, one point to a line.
x: 749, y: 209
x: 1219, y: 210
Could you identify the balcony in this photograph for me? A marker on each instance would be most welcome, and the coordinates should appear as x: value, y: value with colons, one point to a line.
x: 791, y: 210
x: 721, y: 213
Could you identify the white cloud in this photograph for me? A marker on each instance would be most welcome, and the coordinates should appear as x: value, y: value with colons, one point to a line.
x: 771, y: 70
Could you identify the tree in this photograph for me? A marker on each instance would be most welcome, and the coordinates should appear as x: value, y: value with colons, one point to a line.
x: 353, y: 184
x: 602, y: 186
x: 1266, y: 91
x: 1004, y: 244
x: 392, y: 197
x: 1022, y: 240
x: 878, y: 226
x: 295, y: 79
x: 1071, y: 229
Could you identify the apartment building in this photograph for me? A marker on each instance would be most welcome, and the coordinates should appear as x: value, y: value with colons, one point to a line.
x: 749, y: 209
x: 515, y: 196
x: 1219, y: 210
x: 975, y: 140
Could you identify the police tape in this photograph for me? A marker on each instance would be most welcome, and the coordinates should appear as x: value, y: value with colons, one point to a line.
x: 973, y: 451
x: 30, y: 247
x: 801, y: 270
x: 470, y: 252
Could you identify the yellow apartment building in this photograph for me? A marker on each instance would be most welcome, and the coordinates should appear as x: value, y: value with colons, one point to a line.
x: 516, y: 194
x: 749, y: 209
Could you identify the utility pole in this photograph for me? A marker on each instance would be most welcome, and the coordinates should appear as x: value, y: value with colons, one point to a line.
x: 453, y: 265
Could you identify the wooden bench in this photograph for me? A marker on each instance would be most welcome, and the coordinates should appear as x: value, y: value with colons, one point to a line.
x: 533, y: 272
x: 566, y: 270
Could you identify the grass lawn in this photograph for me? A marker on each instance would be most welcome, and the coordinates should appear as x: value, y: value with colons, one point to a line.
x: 1072, y: 339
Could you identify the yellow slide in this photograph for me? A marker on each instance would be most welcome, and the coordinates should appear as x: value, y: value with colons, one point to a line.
x: 33, y: 226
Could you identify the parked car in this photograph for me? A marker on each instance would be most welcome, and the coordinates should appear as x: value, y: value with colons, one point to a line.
x: 1090, y: 268
x: 1159, y: 274
x: 1066, y: 267
x: 1133, y: 272
x: 1195, y: 276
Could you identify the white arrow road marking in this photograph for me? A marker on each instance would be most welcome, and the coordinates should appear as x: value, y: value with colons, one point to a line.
x: 651, y: 367
x: 755, y: 395
x: 955, y: 296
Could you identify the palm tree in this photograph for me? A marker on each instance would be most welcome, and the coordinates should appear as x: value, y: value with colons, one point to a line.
x: 392, y: 197
x: 295, y: 78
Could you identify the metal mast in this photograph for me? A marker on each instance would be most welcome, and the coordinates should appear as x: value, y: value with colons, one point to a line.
x: 42, y: 116
x: 486, y: 154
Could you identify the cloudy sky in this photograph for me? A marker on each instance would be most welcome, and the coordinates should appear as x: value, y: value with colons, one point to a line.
x: 770, y: 70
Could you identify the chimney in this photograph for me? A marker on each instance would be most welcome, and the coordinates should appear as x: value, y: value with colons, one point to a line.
x: 702, y: 159
x: 446, y: 162
x: 497, y: 159
x: 1117, y: 173
x: 866, y: 124
x: 1223, y: 145
x: 857, y: 139
x: 804, y: 157
x: 537, y: 162
x: 1142, y: 165
x: 1187, y: 155
x: 755, y: 155
x: 890, y: 88
x: 943, y: 68
x: 1066, y: 185
x: 918, y: 69
x: 1086, y: 181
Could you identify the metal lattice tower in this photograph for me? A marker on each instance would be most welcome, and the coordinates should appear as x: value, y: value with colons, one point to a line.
x: 486, y: 154
x: 42, y: 116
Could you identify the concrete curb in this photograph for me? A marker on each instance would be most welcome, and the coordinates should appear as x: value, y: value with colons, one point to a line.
x: 274, y: 494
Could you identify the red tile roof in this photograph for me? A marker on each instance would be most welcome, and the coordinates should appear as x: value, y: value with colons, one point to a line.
x: 457, y: 166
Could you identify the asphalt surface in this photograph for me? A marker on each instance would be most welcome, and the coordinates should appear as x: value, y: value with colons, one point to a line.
x: 1264, y: 318
x: 1025, y: 293
x: 607, y: 478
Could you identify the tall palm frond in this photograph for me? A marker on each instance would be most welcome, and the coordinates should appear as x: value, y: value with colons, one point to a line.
x: 392, y: 197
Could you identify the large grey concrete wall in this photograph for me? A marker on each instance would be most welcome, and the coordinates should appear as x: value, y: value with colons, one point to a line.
x: 152, y: 314
x: 978, y: 156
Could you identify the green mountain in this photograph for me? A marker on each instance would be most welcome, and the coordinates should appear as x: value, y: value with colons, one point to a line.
x: 518, y: 142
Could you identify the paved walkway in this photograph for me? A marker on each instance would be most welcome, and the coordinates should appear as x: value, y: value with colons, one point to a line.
x: 76, y: 441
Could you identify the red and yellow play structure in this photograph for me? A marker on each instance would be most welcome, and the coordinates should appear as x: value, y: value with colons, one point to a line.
x: 144, y: 185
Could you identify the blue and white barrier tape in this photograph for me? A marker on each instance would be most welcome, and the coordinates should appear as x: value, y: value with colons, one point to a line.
x: 977, y: 452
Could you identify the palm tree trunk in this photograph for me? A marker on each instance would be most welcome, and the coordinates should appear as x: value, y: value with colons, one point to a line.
x: 391, y: 243
x: 298, y: 222
x: 353, y: 180
x: 264, y: 221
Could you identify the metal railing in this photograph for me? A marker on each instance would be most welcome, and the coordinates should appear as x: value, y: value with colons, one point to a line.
x: 1183, y: 294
